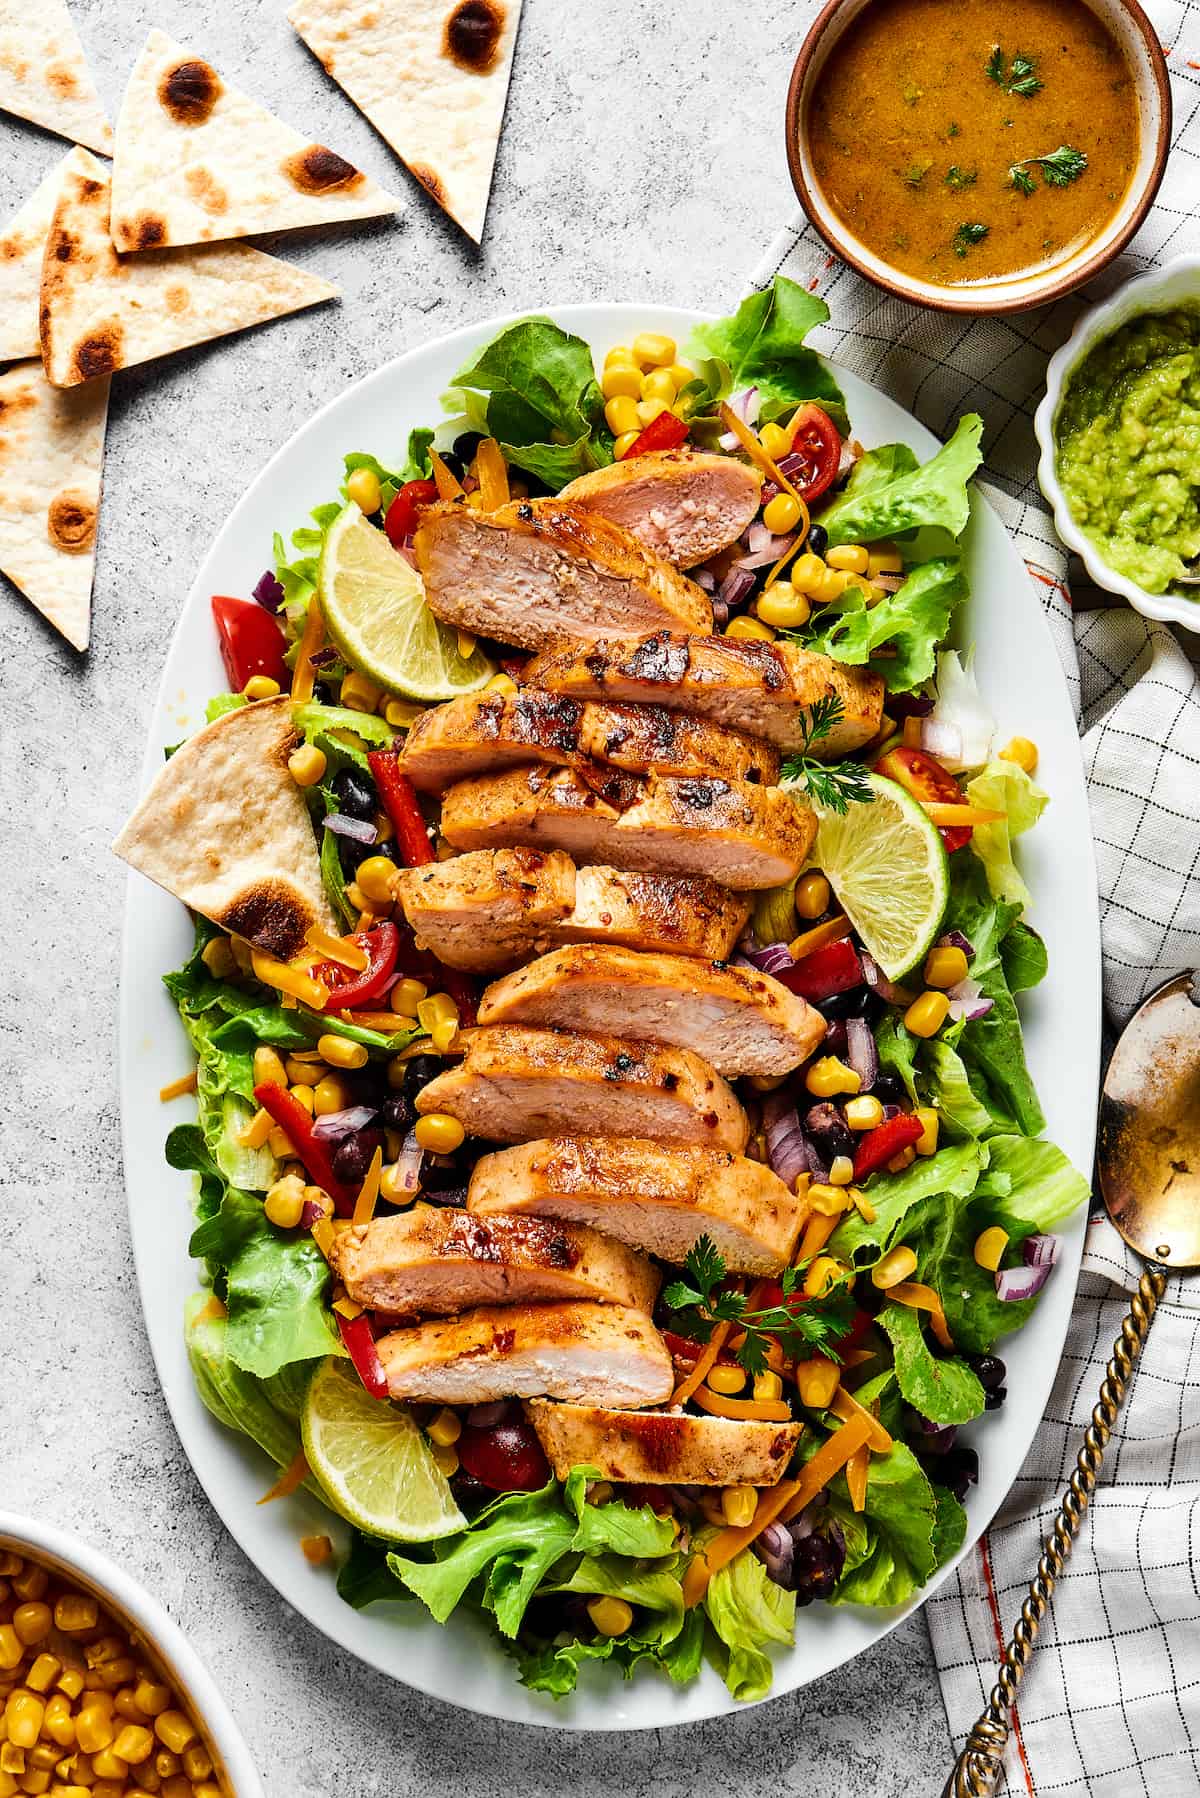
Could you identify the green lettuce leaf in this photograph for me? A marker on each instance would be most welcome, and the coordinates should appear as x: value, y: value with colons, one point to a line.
x: 948, y: 1087
x: 902, y: 1515
x: 949, y: 1526
x: 275, y: 1283
x: 952, y: 1173
x: 220, y: 703
x: 1034, y: 1185
x: 991, y: 1047
x: 364, y: 1577
x: 747, y: 1611
x: 239, y: 1400
x: 1004, y: 787
x: 897, y: 1050
x: 888, y: 493
x: 316, y: 721
x: 544, y: 405
x: 941, y: 1388
x: 898, y: 635
x: 553, y: 1667
x: 762, y: 345
x: 224, y: 1077
x: 1023, y: 957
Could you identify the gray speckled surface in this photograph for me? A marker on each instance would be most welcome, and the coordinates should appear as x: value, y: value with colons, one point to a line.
x: 642, y: 157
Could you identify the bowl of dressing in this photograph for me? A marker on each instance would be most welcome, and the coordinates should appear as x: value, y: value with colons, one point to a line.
x: 978, y: 158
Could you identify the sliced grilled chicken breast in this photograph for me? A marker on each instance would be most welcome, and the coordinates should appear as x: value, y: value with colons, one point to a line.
x: 662, y: 1448
x: 593, y: 1354
x: 654, y: 1196
x: 743, y: 836
x: 484, y: 911
x: 433, y: 1260
x: 766, y: 689
x: 513, y: 1084
x: 485, y: 732
x: 537, y: 570
x: 741, y: 1021
x: 652, y: 911
x: 684, y: 505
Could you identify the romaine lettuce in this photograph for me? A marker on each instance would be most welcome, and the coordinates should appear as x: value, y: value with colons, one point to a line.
x: 544, y: 407
x: 889, y: 493
x: 1004, y: 787
x: 902, y: 1516
x: 747, y: 1610
x: 991, y: 1047
x: 941, y: 1387
x: 897, y: 636
x: 762, y: 345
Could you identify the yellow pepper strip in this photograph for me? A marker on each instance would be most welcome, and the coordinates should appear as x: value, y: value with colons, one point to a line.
x: 322, y: 1235
x: 846, y: 1406
x: 368, y: 1192
x: 304, y: 674
x: 961, y: 814
x: 175, y: 1089
x: 281, y: 975
x: 342, y: 949
x: 818, y: 937
x: 491, y: 471
x: 817, y: 1232
x: 858, y: 1470
x: 293, y: 1475
x: 447, y: 485
x: 924, y: 1298
x: 761, y: 1410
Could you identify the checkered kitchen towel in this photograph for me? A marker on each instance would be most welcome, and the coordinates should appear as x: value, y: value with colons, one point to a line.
x: 1111, y: 1706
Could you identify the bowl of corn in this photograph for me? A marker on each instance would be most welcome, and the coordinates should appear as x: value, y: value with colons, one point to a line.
x: 100, y: 1695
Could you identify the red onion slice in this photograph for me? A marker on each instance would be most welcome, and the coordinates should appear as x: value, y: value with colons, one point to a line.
x: 361, y: 829
x: 861, y: 1052
x: 738, y: 583
x: 771, y: 960
x: 968, y: 1000
x: 1021, y: 1282
x: 1041, y: 1250
x: 768, y: 554
x: 745, y: 404
x: 787, y: 1145
x: 268, y: 592
x: 954, y: 939
x: 704, y: 577
x: 408, y: 1164
x: 776, y: 1549
x: 887, y: 989
x: 338, y: 1124
x: 310, y: 1214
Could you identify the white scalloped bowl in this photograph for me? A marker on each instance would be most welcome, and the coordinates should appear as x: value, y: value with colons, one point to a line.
x: 1174, y: 284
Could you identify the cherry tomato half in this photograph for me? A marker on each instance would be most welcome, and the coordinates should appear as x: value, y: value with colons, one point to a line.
x: 401, y: 520
x: 926, y: 779
x: 506, y: 1458
x: 251, y: 642
x: 347, y: 988
x: 817, y: 439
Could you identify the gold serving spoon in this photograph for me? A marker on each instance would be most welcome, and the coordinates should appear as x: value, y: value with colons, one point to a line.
x: 1148, y: 1159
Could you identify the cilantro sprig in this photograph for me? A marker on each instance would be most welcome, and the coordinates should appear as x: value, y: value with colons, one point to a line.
x: 1059, y: 169
x: 834, y: 786
x: 967, y: 235
x: 1017, y: 77
x: 802, y: 1329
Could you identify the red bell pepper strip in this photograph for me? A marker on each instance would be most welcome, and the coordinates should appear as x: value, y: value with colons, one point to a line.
x: 666, y: 432
x: 348, y: 989
x: 877, y: 1147
x: 359, y: 1341
x: 833, y: 969
x: 400, y: 803
x: 462, y: 991
x: 401, y: 519
x: 291, y: 1115
x: 251, y: 642
x: 684, y: 1349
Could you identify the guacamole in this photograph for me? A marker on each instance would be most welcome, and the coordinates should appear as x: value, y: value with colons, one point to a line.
x: 1128, y: 437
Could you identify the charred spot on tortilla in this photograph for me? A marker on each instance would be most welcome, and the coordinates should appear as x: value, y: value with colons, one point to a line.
x: 317, y: 170
x: 99, y: 353
x: 61, y: 79
x: 205, y: 189
x: 61, y: 246
x: 189, y: 91
x: 71, y: 521
x: 472, y: 34
x: 270, y: 916
x: 430, y: 181
x: 146, y: 232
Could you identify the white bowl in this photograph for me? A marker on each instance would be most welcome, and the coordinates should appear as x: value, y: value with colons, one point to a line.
x: 143, y: 1616
x: 1174, y: 284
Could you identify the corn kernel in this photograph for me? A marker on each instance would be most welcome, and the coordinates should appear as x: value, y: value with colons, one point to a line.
x: 75, y: 1613
x: 260, y: 686
x: 207, y: 1789
x: 42, y: 1675
x: 217, y: 957
x: 774, y: 440
x: 884, y: 558
x: 610, y: 1616
x: 126, y: 1706
x: 782, y: 607
x: 927, y: 1142
x: 445, y: 1429
x: 32, y: 1621
x: 363, y: 490
x: 70, y: 1682
x: 828, y: 1076
x: 167, y: 1764
x: 376, y: 878
x: 329, y: 1095
x: 284, y: 1203
x: 812, y: 896
x: 174, y: 1731
x: 865, y: 1113
x: 897, y: 1265
x: 738, y: 1505
x: 1023, y: 751
x: 828, y: 586
x: 10, y: 1564
x: 31, y: 1582
x: 826, y: 1199
x: 196, y: 1761
x: 12, y: 1758
x: 649, y: 410
x: 822, y: 1276
x: 926, y: 1015
x: 841, y: 1171
x: 781, y: 514
x: 621, y: 414
x: 152, y: 1698
x: 989, y: 1248
x: 23, y: 1714
x: 727, y: 1380
x: 768, y: 1387
x: 93, y: 1730
x: 445, y: 1459
x: 340, y: 1052
x: 113, y: 1788
x: 750, y: 629
x: 681, y: 375
x: 903, y: 1160
x: 359, y: 693
x: 653, y: 350
x: 624, y: 443
x: 620, y: 356
x: 401, y: 713
x: 269, y: 1069
x: 945, y: 966
x: 621, y: 380
x: 851, y: 558
x: 43, y: 1758
x: 439, y: 1133
x: 134, y: 1745
x: 107, y: 1765
x: 34, y: 1783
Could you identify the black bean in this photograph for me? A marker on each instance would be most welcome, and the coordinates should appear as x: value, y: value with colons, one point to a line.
x: 817, y: 1563
x: 352, y: 1156
x: 989, y: 1370
x: 818, y: 539
x: 960, y: 1470
x: 455, y: 463
x: 355, y: 793
x: 859, y: 1002
x: 352, y: 854
x: 993, y: 1400
x: 419, y: 1072
x: 829, y: 1130
x: 889, y: 1089
x: 399, y: 1112
x: 466, y: 444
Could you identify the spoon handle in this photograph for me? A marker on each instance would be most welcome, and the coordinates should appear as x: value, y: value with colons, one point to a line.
x: 978, y: 1766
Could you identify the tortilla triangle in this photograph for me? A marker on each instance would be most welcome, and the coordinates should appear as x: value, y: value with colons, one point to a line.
x: 197, y: 161
x: 226, y: 829
x: 44, y: 75
x: 101, y: 311
x: 432, y: 77
x: 51, y: 449
x: 22, y: 243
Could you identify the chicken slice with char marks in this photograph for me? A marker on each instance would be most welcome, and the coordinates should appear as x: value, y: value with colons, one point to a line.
x: 677, y: 915
x: 486, y: 732
x: 662, y: 1448
x: 514, y: 1084
x: 661, y: 1197
x: 685, y: 505
x: 743, y: 836
x: 740, y: 1020
x: 434, y: 1260
x: 537, y: 570
x: 591, y: 1354
x: 765, y: 689
x: 484, y: 911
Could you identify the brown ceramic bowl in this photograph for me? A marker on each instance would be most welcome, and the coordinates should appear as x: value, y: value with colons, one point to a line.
x: 1012, y: 293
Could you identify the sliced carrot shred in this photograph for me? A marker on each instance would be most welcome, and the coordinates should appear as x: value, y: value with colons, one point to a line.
x: 846, y: 1406
x: 829, y: 1459
x: 491, y: 472
x: 817, y: 1232
x: 304, y: 674
x: 755, y: 1410
x: 448, y: 486
x: 293, y: 1475
x: 924, y: 1298
x: 175, y: 1089
x: 858, y: 1469
x: 758, y: 455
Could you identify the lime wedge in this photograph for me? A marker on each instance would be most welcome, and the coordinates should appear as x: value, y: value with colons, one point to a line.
x: 374, y: 606
x: 373, y: 1462
x: 887, y: 864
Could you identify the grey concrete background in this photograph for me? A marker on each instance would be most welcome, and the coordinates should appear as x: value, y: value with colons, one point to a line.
x: 642, y: 158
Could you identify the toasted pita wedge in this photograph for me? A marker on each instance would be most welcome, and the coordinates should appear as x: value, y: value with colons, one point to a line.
x: 51, y: 448
x: 101, y: 311
x: 197, y: 160
x: 432, y: 77
x: 21, y: 246
x: 44, y: 75
x: 226, y: 829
